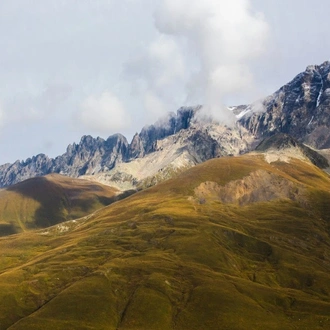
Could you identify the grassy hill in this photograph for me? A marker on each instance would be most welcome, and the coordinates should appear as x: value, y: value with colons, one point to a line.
x: 233, y: 243
x: 44, y: 201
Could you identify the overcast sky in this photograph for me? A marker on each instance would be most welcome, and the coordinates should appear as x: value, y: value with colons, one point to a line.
x: 75, y: 67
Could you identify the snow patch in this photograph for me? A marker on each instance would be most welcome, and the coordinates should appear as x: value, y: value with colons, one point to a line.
x: 243, y: 113
x: 320, y: 93
x: 310, y: 121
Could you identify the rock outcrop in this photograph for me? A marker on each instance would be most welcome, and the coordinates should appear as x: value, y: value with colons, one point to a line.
x: 300, y: 108
x: 283, y: 142
x: 96, y: 155
x: 89, y: 156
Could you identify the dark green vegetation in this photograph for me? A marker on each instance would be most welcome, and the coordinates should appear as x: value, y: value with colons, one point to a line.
x: 181, y: 256
x: 45, y: 201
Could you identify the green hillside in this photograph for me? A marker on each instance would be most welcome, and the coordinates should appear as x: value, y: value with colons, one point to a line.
x: 44, y: 201
x: 234, y: 243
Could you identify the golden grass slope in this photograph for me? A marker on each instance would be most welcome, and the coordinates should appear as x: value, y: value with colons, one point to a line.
x: 168, y: 258
x: 45, y: 201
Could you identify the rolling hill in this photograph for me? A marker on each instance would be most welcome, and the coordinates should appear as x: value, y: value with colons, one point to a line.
x: 233, y: 243
x: 45, y: 201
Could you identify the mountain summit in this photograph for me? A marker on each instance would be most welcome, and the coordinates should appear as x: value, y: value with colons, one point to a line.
x: 183, y: 133
x: 300, y: 109
x: 232, y: 243
x: 94, y: 155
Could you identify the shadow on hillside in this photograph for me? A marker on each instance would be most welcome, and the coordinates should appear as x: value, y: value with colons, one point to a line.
x: 117, y: 198
x: 58, y: 204
x: 7, y: 229
x: 51, y: 199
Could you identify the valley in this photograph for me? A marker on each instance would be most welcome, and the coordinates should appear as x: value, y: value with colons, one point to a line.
x: 175, y: 256
x: 192, y: 225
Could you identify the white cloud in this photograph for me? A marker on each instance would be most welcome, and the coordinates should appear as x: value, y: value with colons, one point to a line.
x: 158, y: 77
x: 154, y: 105
x: 161, y: 64
x: 202, y: 55
x: 36, y: 105
x: 224, y: 37
x: 190, y: 52
x: 104, y: 113
x: 166, y: 61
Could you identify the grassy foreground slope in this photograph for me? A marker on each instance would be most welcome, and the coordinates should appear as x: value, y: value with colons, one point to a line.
x: 233, y: 243
x: 44, y: 201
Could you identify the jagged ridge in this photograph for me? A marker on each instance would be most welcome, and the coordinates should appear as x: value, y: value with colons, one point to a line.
x: 95, y: 155
x: 299, y: 108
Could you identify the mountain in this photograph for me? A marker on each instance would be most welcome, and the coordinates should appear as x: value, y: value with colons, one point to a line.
x: 88, y: 156
x: 239, y: 241
x: 45, y: 201
x: 300, y: 108
x: 201, y: 140
x: 94, y: 155
x: 232, y: 243
x: 176, y: 153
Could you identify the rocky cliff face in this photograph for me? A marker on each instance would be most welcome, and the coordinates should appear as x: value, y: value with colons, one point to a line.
x: 175, y: 153
x: 96, y: 155
x: 144, y: 142
x: 92, y: 156
x: 283, y: 142
x: 301, y: 108
x: 87, y: 157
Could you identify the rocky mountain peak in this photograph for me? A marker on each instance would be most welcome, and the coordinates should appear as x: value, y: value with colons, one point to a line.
x: 96, y: 155
x: 136, y: 148
x: 172, y: 123
x: 300, y: 108
x: 325, y: 66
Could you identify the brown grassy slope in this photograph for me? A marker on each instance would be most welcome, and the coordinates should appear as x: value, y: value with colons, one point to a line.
x: 45, y: 201
x: 167, y: 259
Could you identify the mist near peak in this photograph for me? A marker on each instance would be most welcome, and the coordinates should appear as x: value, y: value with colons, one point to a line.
x: 202, y: 55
